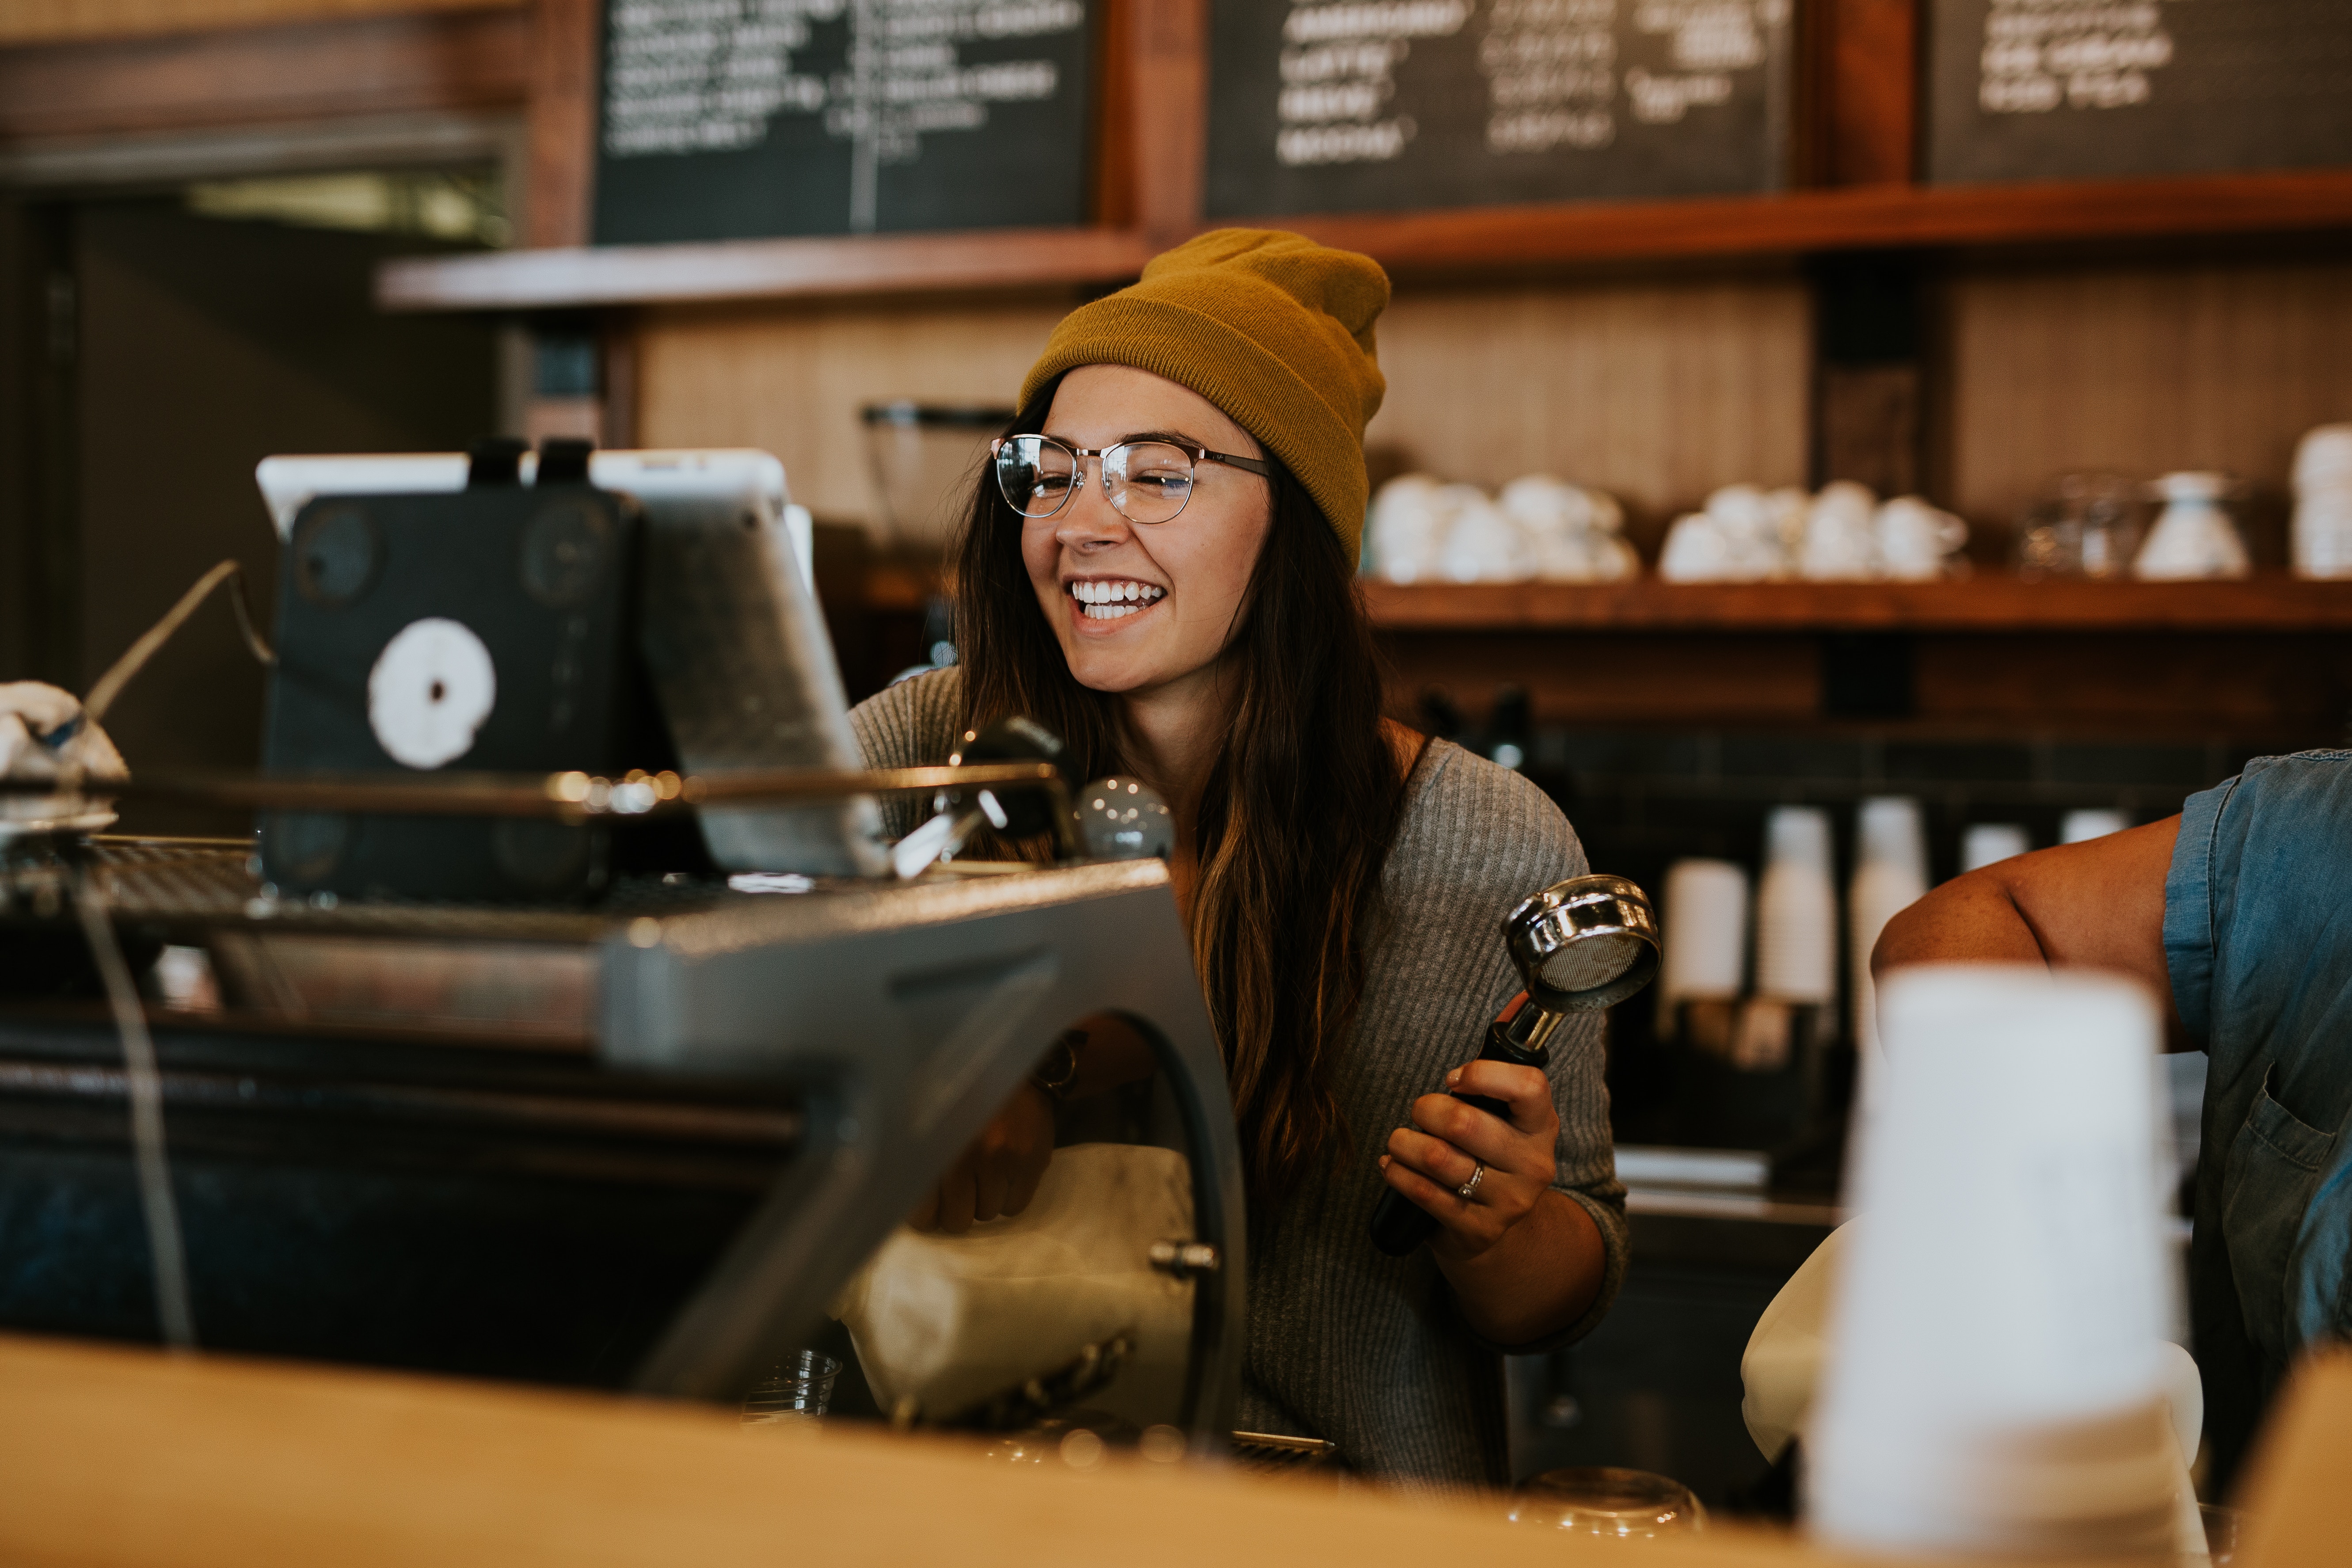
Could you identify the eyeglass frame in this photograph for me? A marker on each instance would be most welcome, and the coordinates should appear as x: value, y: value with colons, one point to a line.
x: 1197, y: 455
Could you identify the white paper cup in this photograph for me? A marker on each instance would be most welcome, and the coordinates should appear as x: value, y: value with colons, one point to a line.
x: 1705, y: 943
x: 1890, y: 875
x: 1796, y: 909
x: 2076, y: 826
x: 1986, y: 843
x: 1994, y: 1381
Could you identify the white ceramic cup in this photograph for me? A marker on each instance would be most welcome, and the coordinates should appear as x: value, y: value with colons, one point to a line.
x: 1914, y: 538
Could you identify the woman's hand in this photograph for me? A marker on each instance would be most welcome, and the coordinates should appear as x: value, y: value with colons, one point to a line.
x: 1524, y: 1261
x: 999, y: 1173
x: 1431, y: 1161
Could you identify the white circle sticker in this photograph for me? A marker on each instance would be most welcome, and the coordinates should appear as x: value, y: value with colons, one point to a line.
x: 431, y: 688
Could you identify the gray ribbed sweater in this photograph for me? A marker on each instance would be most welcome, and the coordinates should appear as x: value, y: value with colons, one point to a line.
x: 1345, y: 1345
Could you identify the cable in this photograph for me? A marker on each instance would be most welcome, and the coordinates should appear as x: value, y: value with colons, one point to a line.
x: 134, y: 658
x: 142, y: 1082
x: 145, y: 1088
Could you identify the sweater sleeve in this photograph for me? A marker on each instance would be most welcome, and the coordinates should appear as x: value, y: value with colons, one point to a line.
x: 1584, y: 1162
x: 1478, y: 839
x: 910, y: 725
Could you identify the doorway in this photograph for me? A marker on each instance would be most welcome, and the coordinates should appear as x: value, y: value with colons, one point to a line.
x: 185, y: 336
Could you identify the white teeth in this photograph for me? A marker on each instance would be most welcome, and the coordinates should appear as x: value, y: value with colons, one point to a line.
x: 1110, y: 601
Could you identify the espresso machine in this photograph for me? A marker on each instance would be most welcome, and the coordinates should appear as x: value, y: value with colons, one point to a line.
x: 564, y: 1022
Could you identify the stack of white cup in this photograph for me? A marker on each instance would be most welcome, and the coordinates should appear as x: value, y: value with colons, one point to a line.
x: 1706, y: 957
x: 1890, y: 875
x: 2323, y: 503
x: 1796, y: 909
x: 1987, y: 842
x: 1995, y: 1377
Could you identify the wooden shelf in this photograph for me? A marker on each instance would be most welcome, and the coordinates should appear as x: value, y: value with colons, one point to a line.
x: 1987, y: 604
x: 1467, y: 239
x: 762, y: 269
x: 1868, y: 217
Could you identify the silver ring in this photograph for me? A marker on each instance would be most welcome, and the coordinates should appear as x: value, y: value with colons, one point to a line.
x: 1477, y: 1174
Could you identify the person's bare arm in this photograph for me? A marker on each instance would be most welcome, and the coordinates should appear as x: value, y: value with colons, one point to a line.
x: 2094, y: 905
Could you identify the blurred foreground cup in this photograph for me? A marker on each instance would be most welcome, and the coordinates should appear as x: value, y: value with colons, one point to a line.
x: 1995, y: 1369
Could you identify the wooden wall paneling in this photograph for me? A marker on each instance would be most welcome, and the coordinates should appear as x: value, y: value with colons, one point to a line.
x: 566, y: 48
x: 791, y: 379
x: 1658, y: 393
x: 1170, y: 85
x: 389, y: 65
x: 2143, y: 369
x: 1870, y: 89
x: 57, y: 21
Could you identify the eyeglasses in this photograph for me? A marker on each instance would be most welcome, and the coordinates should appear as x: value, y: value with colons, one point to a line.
x: 1147, y: 481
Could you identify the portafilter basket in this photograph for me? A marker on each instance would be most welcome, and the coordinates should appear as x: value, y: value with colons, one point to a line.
x: 1584, y: 944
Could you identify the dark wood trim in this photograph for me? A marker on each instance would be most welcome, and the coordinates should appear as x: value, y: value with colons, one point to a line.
x: 617, y: 370
x: 381, y: 65
x: 1118, y: 126
x: 1987, y: 604
x: 1171, y: 90
x: 762, y: 268
x: 566, y: 48
x: 1871, y: 90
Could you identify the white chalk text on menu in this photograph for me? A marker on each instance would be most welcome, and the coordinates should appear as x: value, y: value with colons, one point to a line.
x: 1468, y: 100
x: 2058, y: 88
x: 872, y: 85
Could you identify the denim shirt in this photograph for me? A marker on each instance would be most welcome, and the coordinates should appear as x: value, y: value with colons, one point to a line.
x: 2258, y: 941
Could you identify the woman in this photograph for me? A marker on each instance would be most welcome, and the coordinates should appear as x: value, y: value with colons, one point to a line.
x: 1159, y: 567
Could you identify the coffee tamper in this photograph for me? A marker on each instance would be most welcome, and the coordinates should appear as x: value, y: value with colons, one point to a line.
x: 1580, y: 946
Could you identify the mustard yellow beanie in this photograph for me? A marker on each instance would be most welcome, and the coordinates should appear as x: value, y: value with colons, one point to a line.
x: 1274, y: 329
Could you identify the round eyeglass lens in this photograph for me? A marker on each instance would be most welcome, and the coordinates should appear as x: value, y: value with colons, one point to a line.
x: 1148, y: 482
x: 1035, y: 474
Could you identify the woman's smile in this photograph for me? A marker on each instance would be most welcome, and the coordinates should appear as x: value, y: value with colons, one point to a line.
x: 1106, y: 601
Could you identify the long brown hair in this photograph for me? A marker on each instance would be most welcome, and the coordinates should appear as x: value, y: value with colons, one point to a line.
x: 1293, y: 825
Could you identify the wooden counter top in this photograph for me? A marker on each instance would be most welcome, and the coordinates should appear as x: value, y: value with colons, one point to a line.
x: 113, y: 1455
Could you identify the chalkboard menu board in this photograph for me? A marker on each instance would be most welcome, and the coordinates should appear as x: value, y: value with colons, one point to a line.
x: 2022, y: 90
x: 739, y: 119
x: 1350, y: 105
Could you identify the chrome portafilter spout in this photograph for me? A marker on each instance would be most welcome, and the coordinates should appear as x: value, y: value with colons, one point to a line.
x: 1581, y: 945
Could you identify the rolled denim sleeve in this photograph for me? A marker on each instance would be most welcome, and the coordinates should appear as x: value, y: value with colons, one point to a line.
x: 2188, y: 908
